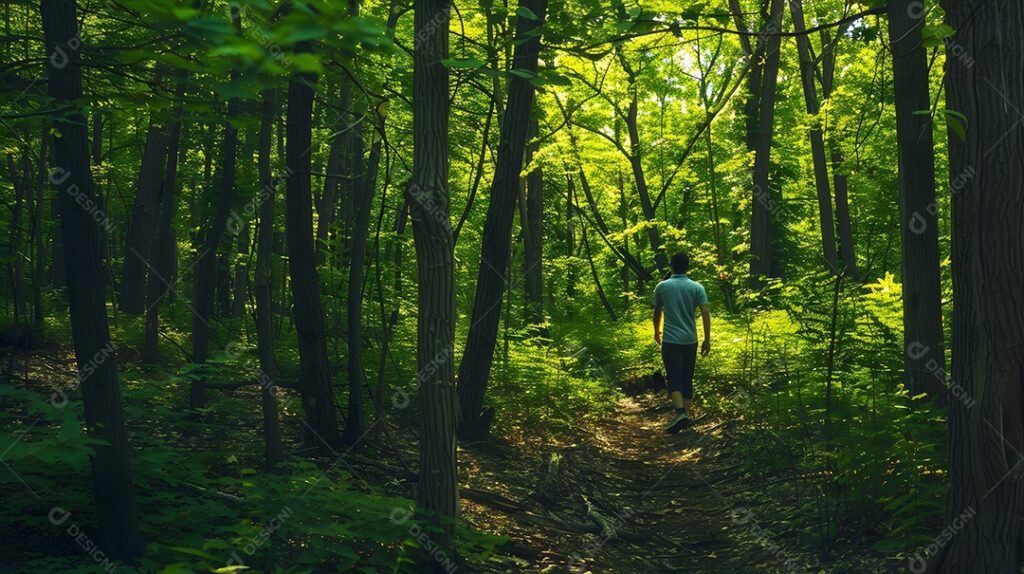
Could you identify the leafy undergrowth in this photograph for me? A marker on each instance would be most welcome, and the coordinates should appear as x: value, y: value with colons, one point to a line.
x: 810, y: 456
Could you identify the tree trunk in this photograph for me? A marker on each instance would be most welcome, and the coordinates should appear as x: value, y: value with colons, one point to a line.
x: 317, y: 382
x: 117, y: 522
x: 636, y: 163
x: 337, y: 179
x: 808, y: 68
x: 494, y: 258
x: 143, y: 230
x: 847, y: 249
x: 756, y: 75
x: 429, y: 203
x: 764, y: 202
x: 986, y: 84
x: 922, y: 292
x: 207, y: 266
x: 366, y: 186
x: 21, y: 180
x: 160, y: 277
x: 273, y: 451
x: 38, y: 241
x: 533, y: 239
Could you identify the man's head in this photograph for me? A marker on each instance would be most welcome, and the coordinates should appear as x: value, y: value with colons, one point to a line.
x: 680, y: 263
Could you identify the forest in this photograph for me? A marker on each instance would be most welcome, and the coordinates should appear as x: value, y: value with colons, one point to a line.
x: 297, y: 286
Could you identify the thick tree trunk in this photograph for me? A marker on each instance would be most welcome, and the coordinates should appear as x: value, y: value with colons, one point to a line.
x: 922, y: 293
x: 429, y: 204
x: 808, y: 68
x: 765, y: 203
x: 141, y: 248
x: 494, y: 257
x: 755, y: 78
x: 317, y: 382
x: 273, y: 451
x: 985, y: 83
x: 117, y: 522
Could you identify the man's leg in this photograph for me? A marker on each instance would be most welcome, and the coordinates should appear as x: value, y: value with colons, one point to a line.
x: 675, y: 370
x: 688, y: 358
x: 679, y: 401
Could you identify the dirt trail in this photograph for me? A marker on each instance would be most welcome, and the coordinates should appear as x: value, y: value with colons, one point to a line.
x: 657, y: 502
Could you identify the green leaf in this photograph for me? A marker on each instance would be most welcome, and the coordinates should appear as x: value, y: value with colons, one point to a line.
x: 524, y: 12
x: 463, y: 64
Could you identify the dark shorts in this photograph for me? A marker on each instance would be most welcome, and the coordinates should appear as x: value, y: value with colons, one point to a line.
x: 679, y: 363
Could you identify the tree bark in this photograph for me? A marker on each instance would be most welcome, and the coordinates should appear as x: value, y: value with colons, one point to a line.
x: 919, y: 229
x: 366, y: 186
x: 475, y: 368
x: 160, y: 277
x: 840, y: 183
x: 762, y: 263
x: 755, y: 78
x: 38, y: 241
x: 273, y: 451
x: 117, y: 522
x: 317, y: 381
x: 429, y: 203
x: 143, y: 231
x: 636, y: 163
x: 206, y: 273
x: 533, y: 239
x: 808, y: 68
x: 985, y: 83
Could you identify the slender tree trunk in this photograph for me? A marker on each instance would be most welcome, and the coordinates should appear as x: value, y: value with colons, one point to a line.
x: 21, y: 180
x: 922, y: 292
x: 840, y: 183
x: 38, y: 241
x: 317, y: 381
x: 143, y: 233
x: 722, y: 249
x: 985, y: 83
x: 58, y: 273
x: 160, y: 277
x: 636, y: 163
x: 429, y: 203
x: 570, y: 235
x: 475, y: 368
x: 117, y: 522
x: 337, y: 179
x: 765, y: 206
x: 533, y: 239
x: 273, y: 451
x: 808, y: 68
x: 207, y: 266
x: 366, y: 185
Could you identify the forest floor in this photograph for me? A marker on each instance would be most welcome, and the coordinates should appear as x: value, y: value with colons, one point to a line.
x: 618, y: 496
x: 652, y: 502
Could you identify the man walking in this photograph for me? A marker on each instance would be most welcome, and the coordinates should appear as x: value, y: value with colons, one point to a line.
x: 675, y: 299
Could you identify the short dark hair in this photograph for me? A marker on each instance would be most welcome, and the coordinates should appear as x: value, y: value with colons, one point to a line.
x: 680, y: 263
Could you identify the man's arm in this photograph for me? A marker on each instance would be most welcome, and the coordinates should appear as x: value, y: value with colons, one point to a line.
x: 657, y: 324
x: 705, y: 316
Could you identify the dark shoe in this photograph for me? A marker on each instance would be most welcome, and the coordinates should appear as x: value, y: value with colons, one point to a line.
x: 680, y: 422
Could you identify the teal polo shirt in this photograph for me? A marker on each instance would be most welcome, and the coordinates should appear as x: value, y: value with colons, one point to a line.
x: 678, y: 296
